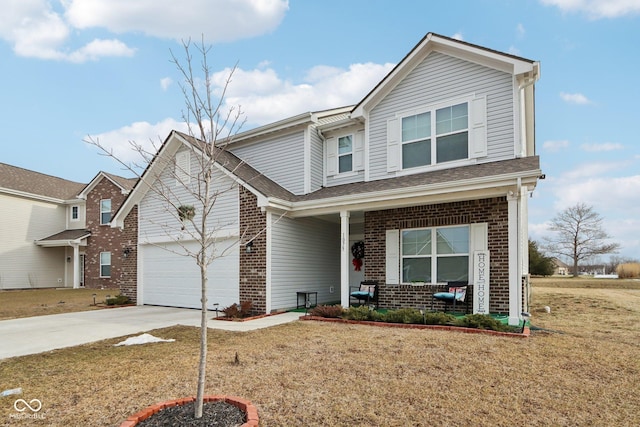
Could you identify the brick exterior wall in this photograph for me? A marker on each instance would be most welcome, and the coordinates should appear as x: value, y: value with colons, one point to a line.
x: 104, y: 238
x: 253, y: 266
x: 493, y: 211
x: 127, y: 280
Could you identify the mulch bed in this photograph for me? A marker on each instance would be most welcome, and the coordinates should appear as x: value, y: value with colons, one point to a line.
x: 218, y: 414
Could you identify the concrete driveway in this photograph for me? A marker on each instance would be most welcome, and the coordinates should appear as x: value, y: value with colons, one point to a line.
x: 31, y: 335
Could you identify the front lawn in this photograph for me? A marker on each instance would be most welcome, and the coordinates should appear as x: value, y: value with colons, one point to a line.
x: 39, y: 302
x: 323, y: 374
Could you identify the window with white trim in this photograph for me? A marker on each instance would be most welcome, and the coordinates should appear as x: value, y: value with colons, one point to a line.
x: 454, y: 132
x: 345, y: 154
x: 105, y: 211
x: 105, y: 264
x: 75, y: 213
x: 451, y: 136
x: 433, y: 255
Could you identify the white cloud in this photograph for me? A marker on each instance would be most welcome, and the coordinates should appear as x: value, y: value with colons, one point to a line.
x: 590, y: 170
x: 514, y: 50
x: 607, y: 146
x: 35, y: 29
x: 165, y: 83
x: 597, y: 9
x: 148, y: 135
x: 520, y: 30
x: 217, y: 20
x: 555, y: 145
x: 458, y: 36
x: 575, y: 98
x: 265, y: 97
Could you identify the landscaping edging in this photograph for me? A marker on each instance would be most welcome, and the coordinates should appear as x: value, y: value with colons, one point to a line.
x: 244, y: 405
x: 525, y: 333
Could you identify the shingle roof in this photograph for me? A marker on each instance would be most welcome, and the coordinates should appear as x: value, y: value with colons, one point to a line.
x: 36, y: 183
x: 269, y: 188
x: 68, y: 235
x: 126, y: 183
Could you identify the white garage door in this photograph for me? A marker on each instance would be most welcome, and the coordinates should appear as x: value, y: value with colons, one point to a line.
x: 172, y: 280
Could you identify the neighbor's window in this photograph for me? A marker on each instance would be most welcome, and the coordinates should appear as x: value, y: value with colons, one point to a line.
x: 75, y: 213
x: 105, y: 264
x: 105, y: 211
x: 345, y: 154
x: 435, y: 254
x: 451, y: 135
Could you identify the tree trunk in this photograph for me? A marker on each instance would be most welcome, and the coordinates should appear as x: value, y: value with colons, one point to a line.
x: 202, y: 366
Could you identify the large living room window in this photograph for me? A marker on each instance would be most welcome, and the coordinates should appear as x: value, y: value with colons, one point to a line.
x: 435, y: 136
x: 105, y: 211
x: 105, y: 264
x: 435, y: 255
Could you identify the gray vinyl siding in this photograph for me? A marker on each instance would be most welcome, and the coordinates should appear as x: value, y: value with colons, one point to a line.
x: 281, y: 159
x: 317, y: 156
x: 440, y: 78
x: 159, y: 222
x: 305, y: 256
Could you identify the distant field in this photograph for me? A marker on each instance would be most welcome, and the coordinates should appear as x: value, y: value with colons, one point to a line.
x: 584, y: 282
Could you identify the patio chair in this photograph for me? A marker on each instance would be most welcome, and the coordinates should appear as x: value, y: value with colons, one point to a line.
x: 457, y: 292
x: 367, y: 292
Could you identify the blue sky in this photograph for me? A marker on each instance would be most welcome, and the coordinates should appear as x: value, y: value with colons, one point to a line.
x: 74, y: 68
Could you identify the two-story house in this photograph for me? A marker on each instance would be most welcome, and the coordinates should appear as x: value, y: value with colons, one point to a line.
x: 431, y: 171
x: 56, y: 233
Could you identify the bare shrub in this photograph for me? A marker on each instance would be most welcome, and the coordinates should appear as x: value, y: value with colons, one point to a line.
x: 629, y: 270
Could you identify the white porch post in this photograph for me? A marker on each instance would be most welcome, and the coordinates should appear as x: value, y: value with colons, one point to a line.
x: 76, y: 265
x: 344, y: 259
x: 515, y: 268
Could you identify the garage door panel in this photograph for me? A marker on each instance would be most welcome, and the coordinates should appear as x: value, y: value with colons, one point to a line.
x: 169, y: 279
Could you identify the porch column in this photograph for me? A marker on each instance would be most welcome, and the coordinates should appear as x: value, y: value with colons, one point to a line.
x: 344, y: 258
x: 514, y: 259
x: 76, y: 265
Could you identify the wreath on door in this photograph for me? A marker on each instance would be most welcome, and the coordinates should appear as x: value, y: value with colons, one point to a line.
x: 357, y: 250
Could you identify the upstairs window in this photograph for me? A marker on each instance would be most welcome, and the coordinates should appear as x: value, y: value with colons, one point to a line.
x: 453, y: 131
x: 75, y: 213
x: 105, y: 211
x: 345, y: 154
x: 451, y: 136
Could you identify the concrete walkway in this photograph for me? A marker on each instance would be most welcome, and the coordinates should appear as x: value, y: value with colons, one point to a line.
x: 31, y: 335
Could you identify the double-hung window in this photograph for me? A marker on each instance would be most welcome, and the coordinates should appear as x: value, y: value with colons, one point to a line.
x: 75, y: 213
x: 435, y: 254
x: 435, y: 136
x: 105, y: 264
x: 345, y: 154
x: 105, y: 211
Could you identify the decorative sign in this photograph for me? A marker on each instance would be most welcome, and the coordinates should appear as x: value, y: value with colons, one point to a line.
x: 481, y: 282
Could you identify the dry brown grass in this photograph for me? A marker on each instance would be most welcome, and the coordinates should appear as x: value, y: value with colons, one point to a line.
x: 322, y: 374
x: 38, y: 302
x: 628, y: 270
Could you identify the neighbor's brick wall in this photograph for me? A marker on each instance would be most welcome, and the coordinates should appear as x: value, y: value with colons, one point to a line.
x: 128, y: 278
x: 253, y: 266
x: 493, y: 211
x: 103, y: 237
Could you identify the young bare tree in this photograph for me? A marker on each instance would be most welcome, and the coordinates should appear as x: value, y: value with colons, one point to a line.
x: 579, y: 235
x: 196, y: 185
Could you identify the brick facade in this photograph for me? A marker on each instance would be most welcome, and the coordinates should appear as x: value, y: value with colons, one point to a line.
x: 493, y: 211
x: 128, y: 276
x: 106, y: 239
x: 253, y: 265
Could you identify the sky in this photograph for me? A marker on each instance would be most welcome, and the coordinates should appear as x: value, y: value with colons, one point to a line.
x: 71, y: 69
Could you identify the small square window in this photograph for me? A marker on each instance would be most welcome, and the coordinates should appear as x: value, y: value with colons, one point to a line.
x: 75, y: 213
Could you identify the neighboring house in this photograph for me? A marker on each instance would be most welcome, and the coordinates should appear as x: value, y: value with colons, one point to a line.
x: 560, y: 268
x: 431, y: 170
x: 51, y: 234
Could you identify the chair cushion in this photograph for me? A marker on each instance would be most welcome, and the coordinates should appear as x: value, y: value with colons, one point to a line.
x: 362, y: 294
x: 444, y: 296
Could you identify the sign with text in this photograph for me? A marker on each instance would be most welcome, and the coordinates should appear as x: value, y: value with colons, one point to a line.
x: 481, y: 282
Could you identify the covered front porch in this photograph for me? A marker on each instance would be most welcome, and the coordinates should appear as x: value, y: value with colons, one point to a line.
x: 73, y: 243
